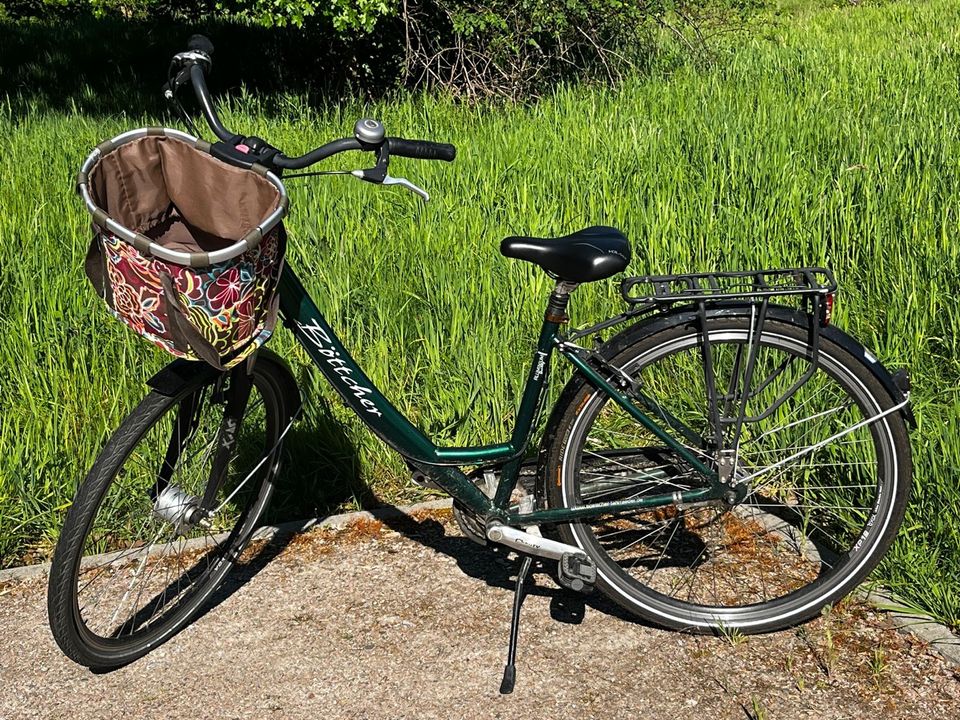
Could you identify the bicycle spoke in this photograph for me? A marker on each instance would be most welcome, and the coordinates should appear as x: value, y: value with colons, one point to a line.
x: 810, y: 466
x: 161, y: 561
x: 136, y: 574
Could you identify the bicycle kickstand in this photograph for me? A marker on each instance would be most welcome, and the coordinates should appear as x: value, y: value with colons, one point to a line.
x: 510, y: 670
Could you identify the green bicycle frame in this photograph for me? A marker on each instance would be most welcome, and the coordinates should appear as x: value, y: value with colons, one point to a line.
x: 442, y: 464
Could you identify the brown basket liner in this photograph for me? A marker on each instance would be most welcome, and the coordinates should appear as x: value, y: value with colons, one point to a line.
x: 180, y: 197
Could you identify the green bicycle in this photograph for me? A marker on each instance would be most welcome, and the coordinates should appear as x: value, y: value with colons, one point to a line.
x: 728, y: 459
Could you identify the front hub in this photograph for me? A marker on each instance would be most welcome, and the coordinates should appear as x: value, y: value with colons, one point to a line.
x: 178, y: 508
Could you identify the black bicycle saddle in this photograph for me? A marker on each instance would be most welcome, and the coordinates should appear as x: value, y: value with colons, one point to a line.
x: 593, y: 253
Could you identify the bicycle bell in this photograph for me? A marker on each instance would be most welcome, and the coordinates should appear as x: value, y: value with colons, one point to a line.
x: 369, y: 131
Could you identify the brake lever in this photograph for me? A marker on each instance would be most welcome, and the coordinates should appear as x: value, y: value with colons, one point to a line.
x: 389, y: 180
x: 403, y: 182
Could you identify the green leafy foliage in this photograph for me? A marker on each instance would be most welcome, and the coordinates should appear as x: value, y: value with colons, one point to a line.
x: 344, y: 15
x: 511, y: 48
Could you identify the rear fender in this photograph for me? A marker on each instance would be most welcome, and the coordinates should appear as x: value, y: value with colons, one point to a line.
x: 896, y: 385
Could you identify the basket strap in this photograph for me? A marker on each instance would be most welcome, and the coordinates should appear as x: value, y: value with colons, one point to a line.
x: 273, y: 310
x: 95, y: 266
x: 183, y: 331
x: 267, y: 316
x: 270, y: 321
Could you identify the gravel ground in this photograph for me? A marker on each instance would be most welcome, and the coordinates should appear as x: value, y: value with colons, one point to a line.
x: 410, y: 620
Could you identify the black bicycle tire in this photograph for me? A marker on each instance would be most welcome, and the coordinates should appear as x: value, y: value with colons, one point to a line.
x: 62, y: 606
x: 630, y: 344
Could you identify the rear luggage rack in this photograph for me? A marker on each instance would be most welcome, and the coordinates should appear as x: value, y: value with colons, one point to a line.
x: 696, y: 295
x: 813, y: 287
x: 695, y: 287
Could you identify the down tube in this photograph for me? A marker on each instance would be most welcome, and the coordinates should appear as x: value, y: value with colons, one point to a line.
x: 341, y: 370
x: 362, y: 396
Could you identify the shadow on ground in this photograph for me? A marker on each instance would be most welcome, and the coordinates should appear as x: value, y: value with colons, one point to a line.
x: 321, y: 473
x: 491, y: 564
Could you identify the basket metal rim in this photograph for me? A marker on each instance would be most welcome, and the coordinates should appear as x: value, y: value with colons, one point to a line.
x: 144, y: 244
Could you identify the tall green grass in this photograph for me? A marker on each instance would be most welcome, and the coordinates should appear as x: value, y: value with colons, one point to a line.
x: 832, y: 139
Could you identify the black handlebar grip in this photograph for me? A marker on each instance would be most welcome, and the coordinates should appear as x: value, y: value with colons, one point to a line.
x: 421, y: 149
x: 200, y: 43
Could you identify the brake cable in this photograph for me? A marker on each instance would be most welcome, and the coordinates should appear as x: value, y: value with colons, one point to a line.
x: 317, y: 172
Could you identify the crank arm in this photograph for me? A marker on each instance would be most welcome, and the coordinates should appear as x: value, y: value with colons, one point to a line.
x: 529, y: 543
x: 575, y: 570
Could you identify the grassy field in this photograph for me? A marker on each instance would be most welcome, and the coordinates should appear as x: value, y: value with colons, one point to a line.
x: 832, y: 138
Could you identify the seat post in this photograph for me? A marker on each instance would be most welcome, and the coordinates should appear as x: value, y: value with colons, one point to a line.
x: 557, y: 305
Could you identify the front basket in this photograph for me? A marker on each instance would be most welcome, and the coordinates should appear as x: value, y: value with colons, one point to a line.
x: 187, y: 250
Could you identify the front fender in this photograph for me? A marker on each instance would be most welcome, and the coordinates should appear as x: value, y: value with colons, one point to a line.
x: 177, y: 374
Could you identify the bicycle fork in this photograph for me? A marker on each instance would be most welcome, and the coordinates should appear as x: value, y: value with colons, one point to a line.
x: 170, y: 502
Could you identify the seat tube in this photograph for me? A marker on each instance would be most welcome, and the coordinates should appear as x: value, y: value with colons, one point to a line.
x: 555, y: 315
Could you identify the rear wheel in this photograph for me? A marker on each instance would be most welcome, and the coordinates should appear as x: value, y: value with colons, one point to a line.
x: 135, y: 561
x: 820, y: 508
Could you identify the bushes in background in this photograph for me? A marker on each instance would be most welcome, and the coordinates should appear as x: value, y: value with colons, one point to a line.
x: 474, y: 48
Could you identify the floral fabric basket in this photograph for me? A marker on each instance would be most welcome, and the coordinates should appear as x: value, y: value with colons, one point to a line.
x: 187, y: 250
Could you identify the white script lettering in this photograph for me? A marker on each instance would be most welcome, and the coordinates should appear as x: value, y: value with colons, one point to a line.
x: 321, y: 341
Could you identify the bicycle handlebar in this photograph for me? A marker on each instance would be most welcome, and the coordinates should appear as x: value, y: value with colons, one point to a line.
x: 199, y: 81
x: 201, y: 43
x: 421, y: 149
x: 198, y: 60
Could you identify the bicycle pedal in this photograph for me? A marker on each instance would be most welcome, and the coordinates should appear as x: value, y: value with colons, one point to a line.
x: 576, y: 572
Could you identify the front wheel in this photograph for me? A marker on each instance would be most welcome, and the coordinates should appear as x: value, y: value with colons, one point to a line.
x: 820, y: 505
x: 136, y: 559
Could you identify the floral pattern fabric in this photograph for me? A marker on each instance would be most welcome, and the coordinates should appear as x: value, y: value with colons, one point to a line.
x: 228, y: 304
